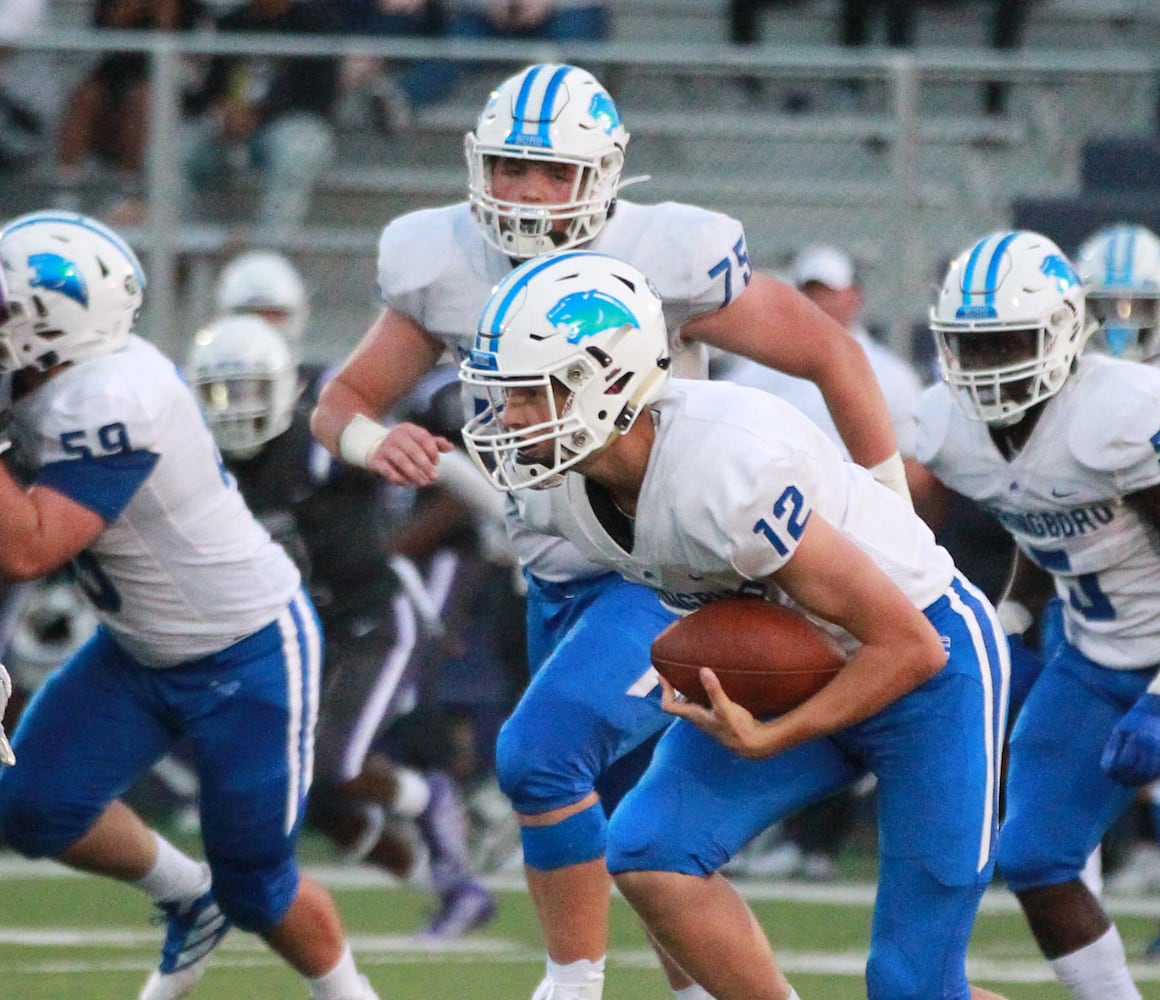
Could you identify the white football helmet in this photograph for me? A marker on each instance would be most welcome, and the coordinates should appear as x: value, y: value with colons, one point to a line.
x: 1120, y: 268
x: 72, y: 290
x: 548, y: 113
x: 246, y: 381
x: 1009, y: 321
x: 583, y: 322
x: 266, y: 283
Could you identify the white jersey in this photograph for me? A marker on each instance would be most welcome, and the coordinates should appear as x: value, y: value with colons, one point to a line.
x: 1062, y: 498
x: 696, y: 537
x: 898, y: 379
x: 436, y: 267
x: 182, y: 568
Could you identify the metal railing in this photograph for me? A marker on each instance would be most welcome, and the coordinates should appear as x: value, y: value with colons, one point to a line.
x: 903, y: 75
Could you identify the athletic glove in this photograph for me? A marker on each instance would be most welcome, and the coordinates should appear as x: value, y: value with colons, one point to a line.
x: 1132, y: 753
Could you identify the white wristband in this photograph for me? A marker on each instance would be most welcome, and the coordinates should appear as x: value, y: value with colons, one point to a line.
x: 1014, y: 617
x: 360, y: 439
x: 891, y: 472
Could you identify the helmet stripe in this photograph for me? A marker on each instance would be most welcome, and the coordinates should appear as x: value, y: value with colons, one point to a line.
x: 1121, y: 250
x: 991, y: 276
x: 492, y: 328
x: 542, y: 116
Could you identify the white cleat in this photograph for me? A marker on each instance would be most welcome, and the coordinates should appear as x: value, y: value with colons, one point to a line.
x: 193, y: 930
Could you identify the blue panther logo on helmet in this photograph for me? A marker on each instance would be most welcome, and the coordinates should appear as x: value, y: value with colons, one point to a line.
x: 1055, y: 266
x: 589, y: 313
x: 58, y: 274
x: 603, y: 109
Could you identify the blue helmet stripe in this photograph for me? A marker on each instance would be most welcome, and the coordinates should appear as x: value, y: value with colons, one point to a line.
x: 522, y: 114
x: 993, y: 267
x: 499, y: 313
x: 1121, y: 250
x: 85, y: 223
x: 969, y: 270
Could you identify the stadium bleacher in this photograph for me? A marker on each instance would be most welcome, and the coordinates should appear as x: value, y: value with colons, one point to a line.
x: 904, y: 179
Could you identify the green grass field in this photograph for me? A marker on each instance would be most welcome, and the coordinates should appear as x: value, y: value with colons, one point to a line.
x: 65, y: 937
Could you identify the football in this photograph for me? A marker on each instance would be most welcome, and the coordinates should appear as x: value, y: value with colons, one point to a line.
x: 768, y: 658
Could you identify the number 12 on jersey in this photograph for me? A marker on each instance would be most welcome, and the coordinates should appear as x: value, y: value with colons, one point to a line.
x: 789, y: 520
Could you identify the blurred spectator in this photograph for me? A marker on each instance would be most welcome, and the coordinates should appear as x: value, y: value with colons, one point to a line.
x: 107, y: 113
x: 391, y: 92
x: 1008, y: 19
x: 272, y: 113
x: 744, y: 26
x: 22, y: 123
x: 544, y: 20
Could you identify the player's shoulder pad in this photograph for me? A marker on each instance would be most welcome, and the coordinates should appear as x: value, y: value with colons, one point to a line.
x: 417, y: 247
x: 932, y: 416
x: 681, y: 245
x: 1116, y: 412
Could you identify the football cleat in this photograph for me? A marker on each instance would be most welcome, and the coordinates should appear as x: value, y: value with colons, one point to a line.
x: 464, y: 910
x: 193, y: 929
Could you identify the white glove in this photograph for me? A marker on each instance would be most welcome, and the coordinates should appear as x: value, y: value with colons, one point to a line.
x: 6, y: 754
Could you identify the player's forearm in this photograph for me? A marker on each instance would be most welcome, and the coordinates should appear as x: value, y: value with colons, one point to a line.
x: 856, y: 404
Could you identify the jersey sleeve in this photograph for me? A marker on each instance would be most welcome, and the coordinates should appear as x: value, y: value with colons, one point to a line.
x: 411, y: 251
x: 97, y: 448
x: 756, y: 510
x: 1125, y: 440
x: 932, y: 421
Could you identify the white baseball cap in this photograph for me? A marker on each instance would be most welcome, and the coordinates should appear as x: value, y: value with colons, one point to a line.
x: 825, y: 264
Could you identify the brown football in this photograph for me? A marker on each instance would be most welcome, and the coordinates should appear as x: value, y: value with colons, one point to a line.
x: 768, y: 658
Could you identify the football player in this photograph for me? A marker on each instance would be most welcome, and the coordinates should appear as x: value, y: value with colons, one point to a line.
x: 392, y: 593
x: 265, y: 283
x: 1062, y: 450
x: 205, y: 631
x: 699, y: 490
x: 1120, y: 270
x: 544, y: 173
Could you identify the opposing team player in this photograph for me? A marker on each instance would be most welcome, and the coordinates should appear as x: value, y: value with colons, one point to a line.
x: 700, y: 490
x: 391, y: 594
x: 205, y: 634
x: 545, y: 162
x: 1062, y: 450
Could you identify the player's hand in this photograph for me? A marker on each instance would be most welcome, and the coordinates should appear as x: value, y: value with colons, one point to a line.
x: 6, y: 754
x: 409, y: 455
x: 1132, y: 753
x: 726, y: 721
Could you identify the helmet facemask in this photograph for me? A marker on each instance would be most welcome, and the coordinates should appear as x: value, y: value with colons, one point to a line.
x: 246, y: 383
x: 1129, y: 325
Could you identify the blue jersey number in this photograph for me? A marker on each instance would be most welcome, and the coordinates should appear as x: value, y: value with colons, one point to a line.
x: 725, y: 265
x: 1084, y: 594
x: 112, y: 439
x: 789, y: 517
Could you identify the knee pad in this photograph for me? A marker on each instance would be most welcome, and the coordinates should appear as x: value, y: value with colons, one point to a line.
x: 579, y: 838
x: 254, y: 898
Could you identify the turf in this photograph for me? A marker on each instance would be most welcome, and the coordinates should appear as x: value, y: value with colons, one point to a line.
x: 83, y: 938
